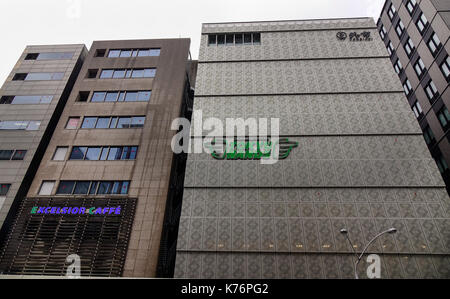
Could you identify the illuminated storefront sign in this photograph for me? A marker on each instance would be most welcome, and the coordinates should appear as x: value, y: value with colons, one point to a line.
x: 76, y: 210
x: 251, y: 149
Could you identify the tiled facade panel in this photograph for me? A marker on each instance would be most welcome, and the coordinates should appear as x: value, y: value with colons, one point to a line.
x: 300, y: 76
x: 361, y: 162
x: 386, y: 113
x: 12, y: 172
x: 303, y: 266
x: 325, y: 161
x: 309, y: 220
x: 288, y: 25
x: 295, y: 45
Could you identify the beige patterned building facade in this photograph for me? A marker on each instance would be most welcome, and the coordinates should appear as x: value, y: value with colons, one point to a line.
x: 361, y: 161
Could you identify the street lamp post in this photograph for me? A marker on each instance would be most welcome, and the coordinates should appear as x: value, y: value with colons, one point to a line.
x: 359, y: 257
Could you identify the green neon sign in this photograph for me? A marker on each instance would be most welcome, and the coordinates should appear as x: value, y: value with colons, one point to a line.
x: 252, y: 150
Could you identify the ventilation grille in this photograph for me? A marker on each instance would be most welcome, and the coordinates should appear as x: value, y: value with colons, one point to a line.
x: 38, y: 244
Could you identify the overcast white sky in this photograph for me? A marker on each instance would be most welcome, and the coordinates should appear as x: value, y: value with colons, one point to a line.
x: 37, y: 22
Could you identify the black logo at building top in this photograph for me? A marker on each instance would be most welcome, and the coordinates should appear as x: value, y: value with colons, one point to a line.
x: 354, y: 36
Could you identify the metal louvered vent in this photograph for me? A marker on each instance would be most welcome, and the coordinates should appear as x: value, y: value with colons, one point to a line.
x: 38, y: 244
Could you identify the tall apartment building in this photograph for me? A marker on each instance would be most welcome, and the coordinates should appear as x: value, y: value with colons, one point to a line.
x: 416, y: 34
x: 361, y: 162
x: 31, y: 102
x: 111, y: 150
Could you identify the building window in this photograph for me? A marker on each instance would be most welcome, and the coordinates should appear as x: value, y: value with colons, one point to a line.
x: 234, y: 39
x: 391, y: 12
x: 19, y: 155
x: 417, y: 110
x: 419, y: 67
x: 390, y: 48
x: 383, y: 32
x: 100, y: 53
x: 410, y: 6
x: 60, y: 153
x: 50, y: 56
x: 47, y: 188
x: 134, y: 53
x: 93, y: 187
x: 398, y: 66
x: 123, y: 122
x: 442, y: 164
x: 121, y: 96
x: 20, y: 125
x: 407, y: 87
x: 422, y: 23
x: 409, y: 47
x: 434, y: 44
x: 21, y: 100
x: 428, y: 135
x: 4, y: 188
x: 128, y: 73
x: 12, y: 154
x: 400, y: 28
x: 444, y: 118
x: 72, y: 123
x: 431, y: 91
x: 38, y: 77
x: 92, y: 73
x: 445, y: 68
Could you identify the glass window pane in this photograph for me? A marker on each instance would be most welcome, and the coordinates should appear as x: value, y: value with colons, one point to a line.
x: 133, y: 153
x: 144, y: 96
x: 229, y: 39
x: 126, y: 53
x: 93, y: 188
x: 212, y: 39
x: 4, y: 188
x: 155, y: 52
x: 114, y: 53
x: 116, y: 188
x: 144, y: 53
x: 93, y: 153
x: 60, y: 153
x: 78, y: 153
x: 47, y: 188
x: 220, y: 39
x: 137, y: 73
x: 33, y: 126
x: 111, y: 96
x: 121, y: 96
x: 126, y: 153
x: 104, y: 188
x: 102, y: 123
x: 6, y: 154
x: 65, y: 187
x: 46, y: 99
x: 149, y: 73
x: 104, y: 154
x: 256, y: 38
x: 137, y: 122
x: 131, y: 96
x: 125, y: 187
x: 13, y: 125
x: 119, y: 74
x: 98, y: 96
x: 89, y: 122
x: 128, y: 74
x: 106, y: 74
x: 238, y: 39
x: 114, y: 153
x: 26, y: 100
x: 135, y: 53
x: 81, y: 187
x: 247, y: 38
x: 72, y: 123
x: 19, y: 155
x: 113, y: 123
x: 124, y: 122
